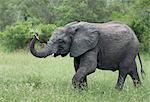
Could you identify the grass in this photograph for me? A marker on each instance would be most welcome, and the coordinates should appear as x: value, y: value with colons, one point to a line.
x: 24, y: 78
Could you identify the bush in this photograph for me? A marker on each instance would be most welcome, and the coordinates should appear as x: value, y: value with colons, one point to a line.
x: 45, y: 31
x: 143, y: 33
x: 16, y: 36
x: 19, y: 35
x: 145, y: 45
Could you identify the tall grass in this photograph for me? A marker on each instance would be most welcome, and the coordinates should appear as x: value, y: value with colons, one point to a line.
x: 24, y: 78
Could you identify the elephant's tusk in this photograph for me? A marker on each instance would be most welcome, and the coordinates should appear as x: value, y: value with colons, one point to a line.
x: 53, y: 54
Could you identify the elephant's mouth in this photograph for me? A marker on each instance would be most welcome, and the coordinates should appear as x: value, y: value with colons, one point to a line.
x: 57, y: 54
x: 63, y: 55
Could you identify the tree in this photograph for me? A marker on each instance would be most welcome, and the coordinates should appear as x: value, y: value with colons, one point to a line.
x: 81, y: 10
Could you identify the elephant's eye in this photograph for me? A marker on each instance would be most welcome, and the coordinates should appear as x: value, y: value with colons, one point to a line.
x: 61, y: 41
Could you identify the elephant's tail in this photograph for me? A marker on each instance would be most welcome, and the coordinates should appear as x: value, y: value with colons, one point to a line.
x: 142, y: 70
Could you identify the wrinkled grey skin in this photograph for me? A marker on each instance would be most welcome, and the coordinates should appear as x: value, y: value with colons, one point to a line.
x: 108, y: 46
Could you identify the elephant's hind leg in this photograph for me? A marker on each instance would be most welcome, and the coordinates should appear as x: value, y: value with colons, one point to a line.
x: 124, y: 67
x: 121, y: 79
x: 134, y: 75
x: 128, y: 66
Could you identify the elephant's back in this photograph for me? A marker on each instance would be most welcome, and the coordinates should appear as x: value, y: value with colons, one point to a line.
x: 115, y: 33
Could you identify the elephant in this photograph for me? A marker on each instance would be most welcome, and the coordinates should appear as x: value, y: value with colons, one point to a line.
x: 107, y: 46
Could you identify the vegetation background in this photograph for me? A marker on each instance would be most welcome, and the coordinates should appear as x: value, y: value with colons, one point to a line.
x: 20, y: 18
x: 24, y: 78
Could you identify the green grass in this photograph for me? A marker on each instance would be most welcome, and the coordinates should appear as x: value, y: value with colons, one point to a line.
x: 24, y: 78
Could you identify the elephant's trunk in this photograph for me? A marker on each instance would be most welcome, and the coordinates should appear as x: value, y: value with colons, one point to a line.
x: 41, y: 54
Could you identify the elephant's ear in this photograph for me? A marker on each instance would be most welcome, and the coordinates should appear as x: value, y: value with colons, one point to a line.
x: 84, y: 39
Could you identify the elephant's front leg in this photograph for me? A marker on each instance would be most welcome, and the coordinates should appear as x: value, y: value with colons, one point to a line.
x: 88, y: 63
x: 76, y: 66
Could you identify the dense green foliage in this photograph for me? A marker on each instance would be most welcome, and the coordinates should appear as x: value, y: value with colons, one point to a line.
x: 24, y: 78
x: 20, y: 18
x: 19, y: 34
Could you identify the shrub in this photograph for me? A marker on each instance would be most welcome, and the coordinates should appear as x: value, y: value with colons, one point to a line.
x: 45, y: 31
x: 145, y: 45
x: 16, y: 36
x: 19, y: 35
x: 143, y: 33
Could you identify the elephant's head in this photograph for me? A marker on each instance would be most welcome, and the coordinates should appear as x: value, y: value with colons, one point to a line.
x: 76, y: 38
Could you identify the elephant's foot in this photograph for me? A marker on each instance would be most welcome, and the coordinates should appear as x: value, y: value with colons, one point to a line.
x: 137, y: 83
x: 120, y: 82
x: 79, y: 84
x: 119, y: 87
x: 84, y: 84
